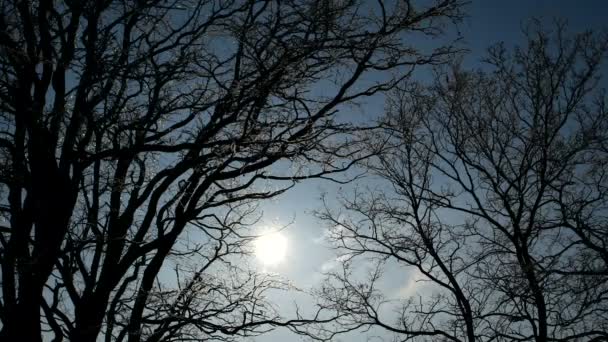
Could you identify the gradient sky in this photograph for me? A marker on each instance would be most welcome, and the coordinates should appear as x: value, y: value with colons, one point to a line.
x: 488, y: 22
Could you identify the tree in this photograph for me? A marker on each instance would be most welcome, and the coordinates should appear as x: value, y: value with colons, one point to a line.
x: 495, y: 192
x: 137, y: 137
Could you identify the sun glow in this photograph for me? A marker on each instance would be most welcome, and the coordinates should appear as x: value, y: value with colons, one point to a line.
x: 271, y: 248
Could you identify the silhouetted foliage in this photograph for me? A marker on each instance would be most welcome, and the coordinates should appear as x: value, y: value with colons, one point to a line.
x: 495, y: 198
x: 136, y: 138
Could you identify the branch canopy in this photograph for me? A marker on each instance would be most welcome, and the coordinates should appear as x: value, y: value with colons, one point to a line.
x: 136, y: 138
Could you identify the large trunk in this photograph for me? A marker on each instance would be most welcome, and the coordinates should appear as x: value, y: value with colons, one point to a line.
x: 23, y: 324
x: 52, y: 199
x: 89, y: 319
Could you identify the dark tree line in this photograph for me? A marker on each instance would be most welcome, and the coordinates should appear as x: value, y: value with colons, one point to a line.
x: 495, y: 191
x: 136, y: 138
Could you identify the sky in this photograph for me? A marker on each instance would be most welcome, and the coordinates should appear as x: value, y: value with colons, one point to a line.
x: 307, y: 254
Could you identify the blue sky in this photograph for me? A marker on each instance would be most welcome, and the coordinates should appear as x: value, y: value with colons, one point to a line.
x: 488, y: 22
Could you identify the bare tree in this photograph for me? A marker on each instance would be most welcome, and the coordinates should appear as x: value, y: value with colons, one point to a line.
x: 495, y: 191
x: 137, y: 136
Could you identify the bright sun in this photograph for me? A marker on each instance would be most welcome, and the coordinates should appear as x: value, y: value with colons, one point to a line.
x: 271, y: 248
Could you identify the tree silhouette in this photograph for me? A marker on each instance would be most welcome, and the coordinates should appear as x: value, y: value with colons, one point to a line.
x: 137, y: 137
x: 495, y: 193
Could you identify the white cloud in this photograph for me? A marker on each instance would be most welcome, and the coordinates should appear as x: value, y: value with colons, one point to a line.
x: 414, y: 283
